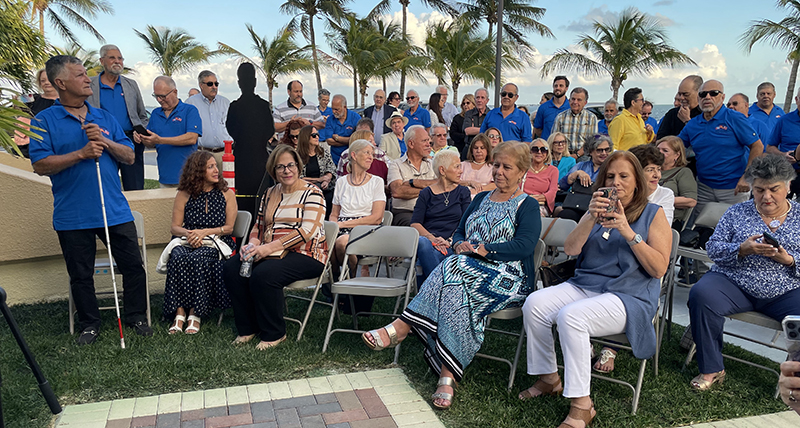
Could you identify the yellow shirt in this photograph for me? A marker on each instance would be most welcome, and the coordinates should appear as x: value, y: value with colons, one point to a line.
x: 627, y: 130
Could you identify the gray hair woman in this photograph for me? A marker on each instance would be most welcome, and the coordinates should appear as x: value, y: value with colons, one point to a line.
x: 754, y: 248
x: 585, y: 173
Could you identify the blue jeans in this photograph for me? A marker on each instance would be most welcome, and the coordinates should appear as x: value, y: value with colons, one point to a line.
x: 428, y: 257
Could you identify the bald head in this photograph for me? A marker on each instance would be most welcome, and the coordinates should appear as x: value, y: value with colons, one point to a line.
x: 687, y: 91
x: 380, y: 98
x: 712, y: 96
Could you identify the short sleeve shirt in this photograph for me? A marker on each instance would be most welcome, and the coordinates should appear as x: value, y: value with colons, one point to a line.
x: 402, y: 169
x: 334, y: 126
x: 786, y: 133
x: 719, y: 146
x: 419, y: 117
x: 356, y: 201
x: 76, y: 194
x: 184, y: 118
x: 769, y: 119
x: 546, y: 115
x: 285, y: 111
x: 514, y: 127
x: 112, y: 100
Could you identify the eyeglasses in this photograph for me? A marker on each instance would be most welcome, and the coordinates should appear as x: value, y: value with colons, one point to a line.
x: 508, y: 94
x: 440, y: 135
x: 559, y: 142
x: 210, y: 84
x: 494, y: 136
x: 394, y: 99
x: 603, y: 150
x: 713, y: 93
x: 537, y: 149
x: 162, y: 97
x: 281, y: 168
x: 411, y: 98
x: 315, y: 135
x: 733, y: 103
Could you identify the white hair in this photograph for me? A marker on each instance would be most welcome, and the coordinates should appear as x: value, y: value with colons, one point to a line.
x: 411, y: 132
x: 444, y: 158
x: 105, y: 48
x: 166, y: 80
x: 438, y: 125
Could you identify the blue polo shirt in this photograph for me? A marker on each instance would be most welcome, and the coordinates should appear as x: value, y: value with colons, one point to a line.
x: 420, y: 117
x: 514, y: 127
x: 769, y: 119
x: 185, y: 118
x: 652, y: 122
x: 112, y: 100
x: 327, y: 112
x: 720, y: 147
x: 762, y: 130
x: 76, y: 194
x: 786, y: 133
x: 546, y: 115
x: 602, y: 128
x: 346, y: 129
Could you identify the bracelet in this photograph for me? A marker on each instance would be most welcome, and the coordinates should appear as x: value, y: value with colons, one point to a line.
x: 221, y: 230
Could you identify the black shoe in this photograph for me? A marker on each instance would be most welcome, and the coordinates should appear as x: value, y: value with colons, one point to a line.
x: 87, y: 336
x: 141, y: 328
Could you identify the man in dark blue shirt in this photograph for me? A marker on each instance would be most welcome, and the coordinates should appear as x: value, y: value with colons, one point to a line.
x: 339, y: 127
x: 547, y: 112
x: 765, y: 109
x: 76, y: 139
x: 513, y: 123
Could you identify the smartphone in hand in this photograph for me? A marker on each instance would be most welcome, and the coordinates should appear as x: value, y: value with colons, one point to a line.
x: 769, y: 239
x: 141, y: 130
x: 791, y: 328
x: 611, y: 194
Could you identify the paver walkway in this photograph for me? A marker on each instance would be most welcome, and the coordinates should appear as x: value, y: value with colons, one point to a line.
x: 374, y: 399
x: 775, y: 420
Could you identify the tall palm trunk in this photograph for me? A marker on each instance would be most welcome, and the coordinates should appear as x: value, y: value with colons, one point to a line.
x: 41, y: 21
x: 383, y: 80
x: 787, y: 103
x: 314, y: 51
x: 455, y: 84
x: 270, y: 85
x: 405, y: 37
x: 355, y: 88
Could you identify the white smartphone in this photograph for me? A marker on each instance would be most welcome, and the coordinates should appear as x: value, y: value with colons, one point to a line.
x: 791, y: 328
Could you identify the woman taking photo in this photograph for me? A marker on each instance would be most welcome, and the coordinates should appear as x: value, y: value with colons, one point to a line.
x: 676, y: 176
x: 204, y: 206
x: 559, y: 152
x: 621, y: 257
x: 289, y: 223
x: 750, y: 272
x: 438, y: 211
x: 449, y: 313
x: 476, y: 171
x: 318, y: 166
x: 541, y: 181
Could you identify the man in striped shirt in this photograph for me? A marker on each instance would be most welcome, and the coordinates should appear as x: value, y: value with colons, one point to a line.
x: 576, y: 123
x: 296, y: 106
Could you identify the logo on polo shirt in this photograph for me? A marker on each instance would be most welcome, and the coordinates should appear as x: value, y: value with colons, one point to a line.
x: 348, y: 127
x: 177, y: 119
x: 105, y: 131
x: 722, y: 127
x: 512, y: 122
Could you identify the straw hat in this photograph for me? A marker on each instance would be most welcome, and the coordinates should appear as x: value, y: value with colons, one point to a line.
x: 394, y: 115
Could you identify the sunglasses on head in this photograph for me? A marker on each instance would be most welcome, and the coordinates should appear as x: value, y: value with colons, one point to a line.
x: 210, y: 84
x: 536, y: 149
x: 508, y: 94
x: 713, y: 93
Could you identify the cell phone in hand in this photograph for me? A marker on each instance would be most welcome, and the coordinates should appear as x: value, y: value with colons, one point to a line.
x: 141, y: 130
x: 791, y: 329
x: 769, y: 239
x: 611, y: 194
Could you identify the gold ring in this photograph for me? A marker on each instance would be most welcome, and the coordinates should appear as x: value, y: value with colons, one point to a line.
x: 791, y: 396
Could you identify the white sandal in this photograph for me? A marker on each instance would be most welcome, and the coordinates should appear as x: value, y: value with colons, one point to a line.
x: 606, y: 355
x: 174, y: 328
x: 193, y: 329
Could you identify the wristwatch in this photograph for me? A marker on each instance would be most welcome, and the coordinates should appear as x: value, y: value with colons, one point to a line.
x: 636, y: 239
x: 411, y: 183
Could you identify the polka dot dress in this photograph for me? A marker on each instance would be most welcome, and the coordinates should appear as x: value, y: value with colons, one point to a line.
x: 194, y: 275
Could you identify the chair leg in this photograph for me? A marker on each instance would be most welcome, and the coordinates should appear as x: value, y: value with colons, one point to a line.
x: 221, y: 314
x: 330, y: 323
x: 353, y: 312
x: 516, y: 358
x: 308, y: 312
x: 689, y: 356
x: 638, y: 390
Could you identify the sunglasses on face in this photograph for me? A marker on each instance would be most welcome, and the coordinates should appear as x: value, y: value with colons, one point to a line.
x: 603, y: 150
x: 713, y: 93
x: 508, y: 94
x: 410, y: 98
x: 314, y: 135
x: 440, y: 135
x: 294, y: 137
x: 210, y: 84
x: 733, y: 103
x: 536, y: 149
x: 493, y: 136
x: 559, y: 142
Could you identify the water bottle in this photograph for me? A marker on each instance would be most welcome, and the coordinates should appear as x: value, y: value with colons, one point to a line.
x: 247, y: 265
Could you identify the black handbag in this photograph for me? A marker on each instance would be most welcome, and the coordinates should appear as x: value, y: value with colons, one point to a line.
x: 579, y: 197
x: 557, y: 273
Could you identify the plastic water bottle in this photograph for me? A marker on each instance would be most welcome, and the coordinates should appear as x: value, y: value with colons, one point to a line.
x: 247, y: 265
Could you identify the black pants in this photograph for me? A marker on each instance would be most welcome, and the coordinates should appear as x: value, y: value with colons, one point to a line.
x: 572, y: 214
x: 79, y: 250
x: 258, y: 301
x: 401, y: 217
x: 133, y: 175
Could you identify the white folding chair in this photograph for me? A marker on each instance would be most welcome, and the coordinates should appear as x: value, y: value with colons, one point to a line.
x: 102, y: 266
x: 513, y: 313
x: 331, y: 233
x: 372, y: 260
x: 555, y: 236
x: 708, y: 217
x: 381, y: 241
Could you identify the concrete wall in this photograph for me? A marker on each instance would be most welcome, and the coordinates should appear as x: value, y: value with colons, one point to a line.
x: 31, y: 265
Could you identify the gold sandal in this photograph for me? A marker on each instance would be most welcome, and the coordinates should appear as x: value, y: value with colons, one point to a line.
x: 378, y: 342
x: 700, y: 384
x: 579, y: 414
x: 444, y: 381
x: 543, y: 387
x: 263, y: 346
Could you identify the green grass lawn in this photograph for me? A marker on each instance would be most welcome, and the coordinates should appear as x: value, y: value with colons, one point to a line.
x: 164, y: 363
x: 150, y: 184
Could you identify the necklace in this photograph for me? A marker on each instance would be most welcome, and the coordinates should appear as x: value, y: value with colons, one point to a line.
x: 775, y: 222
x: 352, y: 181
x: 75, y: 107
x: 509, y: 198
x: 536, y: 171
x: 478, y: 163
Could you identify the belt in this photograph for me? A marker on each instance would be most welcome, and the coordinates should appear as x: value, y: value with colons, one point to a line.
x: 214, y: 150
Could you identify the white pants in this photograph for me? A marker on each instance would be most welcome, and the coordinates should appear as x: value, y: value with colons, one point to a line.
x: 579, y: 315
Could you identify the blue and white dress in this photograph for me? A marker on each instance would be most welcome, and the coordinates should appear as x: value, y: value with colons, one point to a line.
x: 449, y: 314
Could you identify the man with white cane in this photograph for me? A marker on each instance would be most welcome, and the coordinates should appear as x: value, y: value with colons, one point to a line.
x: 78, y: 141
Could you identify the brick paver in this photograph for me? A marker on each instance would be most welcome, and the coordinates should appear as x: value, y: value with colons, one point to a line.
x: 374, y: 399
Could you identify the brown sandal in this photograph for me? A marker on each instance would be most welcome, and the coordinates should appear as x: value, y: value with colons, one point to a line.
x: 543, y: 387
x: 577, y: 413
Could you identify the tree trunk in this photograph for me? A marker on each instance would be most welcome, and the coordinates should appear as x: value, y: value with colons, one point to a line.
x: 314, y: 52
x: 355, y: 88
x: 383, y: 79
x: 616, y: 82
x: 403, y: 71
x: 41, y: 21
x: 270, y: 85
x: 454, y: 84
x: 363, y: 87
x: 787, y: 103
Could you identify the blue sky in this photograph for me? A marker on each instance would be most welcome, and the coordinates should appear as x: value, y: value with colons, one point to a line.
x: 705, y: 30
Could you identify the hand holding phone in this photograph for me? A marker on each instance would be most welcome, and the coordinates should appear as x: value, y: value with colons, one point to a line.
x: 609, y: 193
x: 141, y: 130
x: 769, y: 239
x: 791, y: 329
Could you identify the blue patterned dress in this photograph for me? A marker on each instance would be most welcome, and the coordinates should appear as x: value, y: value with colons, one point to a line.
x: 449, y: 314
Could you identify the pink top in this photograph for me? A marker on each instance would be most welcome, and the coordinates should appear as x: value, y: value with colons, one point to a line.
x: 482, y: 176
x: 544, y: 183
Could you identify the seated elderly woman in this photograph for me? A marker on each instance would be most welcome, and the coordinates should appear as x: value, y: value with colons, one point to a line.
x: 204, y: 206
x: 582, y: 176
x: 559, y: 153
x: 750, y: 273
x: 439, y: 139
x: 438, y: 211
x: 541, y: 181
x: 492, y: 269
x: 287, y: 244
x: 676, y: 176
x: 318, y: 167
x: 621, y: 256
x: 476, y: 171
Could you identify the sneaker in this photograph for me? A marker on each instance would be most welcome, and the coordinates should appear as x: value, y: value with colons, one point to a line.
x: 87, y: 336
x: 141, y: 328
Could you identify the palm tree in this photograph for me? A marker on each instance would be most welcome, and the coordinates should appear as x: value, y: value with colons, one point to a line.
x: 276, y: 57
x: 22, y: 48
x: 306, y: 11
x: 77, y: 11
x: 405, y: 57
x: 636, y: 44
x: 519, y: 17
x: 173, y: 50
x: 90, y: 59
x: 384, y: 6
x: 784, y: 34
x: 458, y: 54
